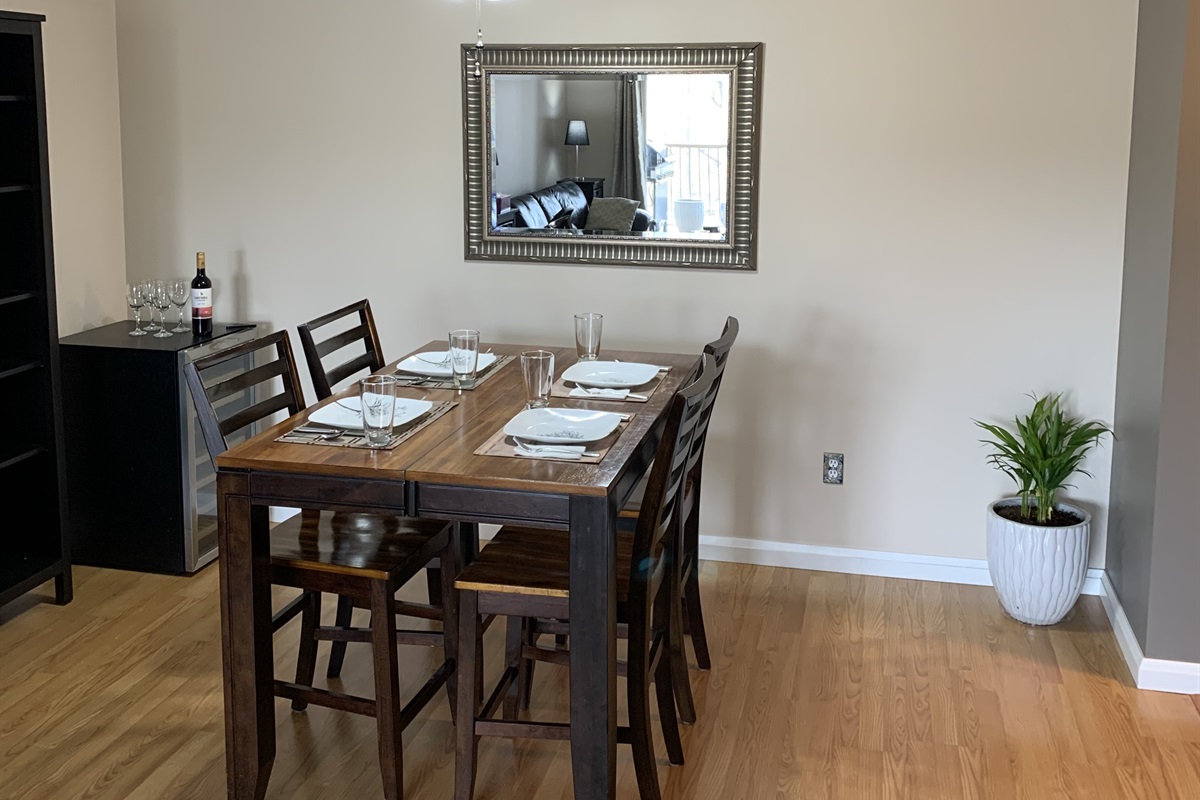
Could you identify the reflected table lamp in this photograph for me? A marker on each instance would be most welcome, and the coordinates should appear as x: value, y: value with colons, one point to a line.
x: 577, y: 135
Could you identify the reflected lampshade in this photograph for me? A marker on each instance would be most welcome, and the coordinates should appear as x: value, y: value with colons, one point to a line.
x: 577, y: 133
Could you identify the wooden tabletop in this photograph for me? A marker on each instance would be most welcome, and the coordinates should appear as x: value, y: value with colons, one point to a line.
x: 444, y: 451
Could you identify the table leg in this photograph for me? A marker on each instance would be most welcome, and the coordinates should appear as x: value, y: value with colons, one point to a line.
x: 243, y: 538
x: 593, y: 648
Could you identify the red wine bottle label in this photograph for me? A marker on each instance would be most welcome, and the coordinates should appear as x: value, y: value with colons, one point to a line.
x: 201, y: 303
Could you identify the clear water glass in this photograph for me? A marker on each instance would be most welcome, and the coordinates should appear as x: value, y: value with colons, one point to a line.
x: 587, y: 335
x: 133, y: 299
x: 537, y: 367
x: 181, y: 291
x: 464, y: 357
x: 378, y: 409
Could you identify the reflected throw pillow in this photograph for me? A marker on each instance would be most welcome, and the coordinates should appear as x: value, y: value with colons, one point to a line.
x: 612, y: 214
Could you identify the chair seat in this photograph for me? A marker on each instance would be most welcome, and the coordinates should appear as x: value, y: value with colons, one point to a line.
x: 533, y: 561
x: 370, y: 546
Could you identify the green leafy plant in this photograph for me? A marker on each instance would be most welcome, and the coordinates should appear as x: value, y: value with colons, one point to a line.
x: 1042, y: 454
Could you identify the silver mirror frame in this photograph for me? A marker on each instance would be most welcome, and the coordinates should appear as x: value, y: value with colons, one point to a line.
x: 744, y: 62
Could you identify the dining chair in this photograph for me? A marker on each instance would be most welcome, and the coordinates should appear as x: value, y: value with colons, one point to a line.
x: 360, y: 328
x: 523, y: 574
x: 360, y: 556
x: 370, y: 360
x: 688, y: 597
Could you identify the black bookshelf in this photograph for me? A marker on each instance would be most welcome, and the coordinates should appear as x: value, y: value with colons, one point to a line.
x: 33, y: 546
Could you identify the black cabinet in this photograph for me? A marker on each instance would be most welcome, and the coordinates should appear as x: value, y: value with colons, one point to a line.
x: 33, y: 549
x: 592, y: 187
x: 141, y: 486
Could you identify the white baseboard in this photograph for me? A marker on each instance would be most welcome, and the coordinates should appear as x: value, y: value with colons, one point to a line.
x: 971, y: 571
x: 1155, y: 674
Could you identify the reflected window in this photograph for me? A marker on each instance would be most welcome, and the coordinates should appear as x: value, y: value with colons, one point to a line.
x: 687, y: 150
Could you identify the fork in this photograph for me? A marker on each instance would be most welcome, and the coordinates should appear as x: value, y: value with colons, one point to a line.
x: 549, y: 449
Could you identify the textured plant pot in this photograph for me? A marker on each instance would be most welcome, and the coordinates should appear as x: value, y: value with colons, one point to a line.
x: 1038, y: 572
x: 689, y: 215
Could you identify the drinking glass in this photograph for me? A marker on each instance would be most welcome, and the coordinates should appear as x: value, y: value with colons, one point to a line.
x: 133, y: 298
x: 464, y: 357
x: 378, y: 408
x: 587, y: 335
x: 537, y: 367
x: 162, y: 301
x: 148, y: 302
x: 180, y: 290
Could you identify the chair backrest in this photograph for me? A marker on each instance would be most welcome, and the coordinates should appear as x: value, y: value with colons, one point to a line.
x: 315, y: 352
x: 719, y: 350
x: 655, y: 540
x: 210, y: 380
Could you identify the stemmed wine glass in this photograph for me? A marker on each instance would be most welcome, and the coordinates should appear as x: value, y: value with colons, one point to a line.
x: 162, y: 301
x: 148, y: 302
x: 180, y: 290
x: 135, y: 300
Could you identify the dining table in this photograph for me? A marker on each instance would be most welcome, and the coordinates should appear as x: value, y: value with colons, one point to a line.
x: 436, y: 474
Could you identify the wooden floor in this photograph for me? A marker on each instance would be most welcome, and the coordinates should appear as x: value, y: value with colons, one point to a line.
x: 824, y: 686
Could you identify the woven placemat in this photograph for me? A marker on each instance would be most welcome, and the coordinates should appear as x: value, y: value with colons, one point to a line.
x: 357, y: 440
x: 563, y: 389
x: 409, y: 379
x: 506, y: 447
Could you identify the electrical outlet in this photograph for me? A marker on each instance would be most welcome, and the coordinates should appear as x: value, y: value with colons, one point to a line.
x: 835, y: 468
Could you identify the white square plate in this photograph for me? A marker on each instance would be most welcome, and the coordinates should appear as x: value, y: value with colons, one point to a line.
x: 436, y: 364
x: 610, y: 374
x: 562, y: 425
x: 346, y: 413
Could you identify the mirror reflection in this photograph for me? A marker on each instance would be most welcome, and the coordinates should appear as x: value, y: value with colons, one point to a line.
x: 642, y: 155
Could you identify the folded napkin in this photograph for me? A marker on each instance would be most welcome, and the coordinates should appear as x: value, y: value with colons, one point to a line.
x: 603, y: 394
x: 568, y: 451
x: 555, y: 454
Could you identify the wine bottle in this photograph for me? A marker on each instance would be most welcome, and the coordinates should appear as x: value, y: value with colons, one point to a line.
x: 202, y: 308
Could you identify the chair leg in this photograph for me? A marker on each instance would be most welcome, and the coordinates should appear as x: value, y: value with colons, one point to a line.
x: 306, y: 660
x: 639, y: 727
x: 448, y: 600
x: 469, y: 695
x: 387, y: 688
x: 695, y: 617
x: 663, y: 681
x: 525, y: 676
x: 514, y: 640
x: 433, y: 580
x: 675, y: 660
x: 343, y: 619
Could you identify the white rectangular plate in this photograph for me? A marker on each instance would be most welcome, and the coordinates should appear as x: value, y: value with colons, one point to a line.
x: 436, y: 364
x: 562, y: 425
x: 346, y: 413
x: 610, y: 374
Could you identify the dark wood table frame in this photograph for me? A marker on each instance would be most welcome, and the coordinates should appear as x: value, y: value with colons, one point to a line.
x: 435, y: 474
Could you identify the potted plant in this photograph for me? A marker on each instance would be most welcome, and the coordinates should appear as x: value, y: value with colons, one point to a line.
x: 1037, y: 546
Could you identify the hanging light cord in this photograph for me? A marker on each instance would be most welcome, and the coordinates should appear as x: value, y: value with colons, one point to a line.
x: 478, y: 38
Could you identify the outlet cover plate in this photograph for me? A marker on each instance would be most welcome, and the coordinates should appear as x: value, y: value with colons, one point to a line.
x: 834, y: 468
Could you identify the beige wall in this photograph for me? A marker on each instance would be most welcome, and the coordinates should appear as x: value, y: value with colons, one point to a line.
x: 83, y: 125
x: 943, y: 192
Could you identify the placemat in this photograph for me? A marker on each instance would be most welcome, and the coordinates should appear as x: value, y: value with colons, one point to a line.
x: 409, y: 379
x: 506, y: 447
x: 563, y: 389
x: 356, y: 440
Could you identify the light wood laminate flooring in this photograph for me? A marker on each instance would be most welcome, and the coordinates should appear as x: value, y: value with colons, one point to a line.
x: 824, y: 686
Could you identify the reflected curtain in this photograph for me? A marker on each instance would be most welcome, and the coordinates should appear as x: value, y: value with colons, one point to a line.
x: 629, y: 156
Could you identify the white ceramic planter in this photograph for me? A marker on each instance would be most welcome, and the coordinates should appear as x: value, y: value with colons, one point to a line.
x: 689, y: 215
x: 1038, y: 572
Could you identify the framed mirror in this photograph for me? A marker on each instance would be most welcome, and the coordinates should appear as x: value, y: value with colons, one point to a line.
x: 612, y: 154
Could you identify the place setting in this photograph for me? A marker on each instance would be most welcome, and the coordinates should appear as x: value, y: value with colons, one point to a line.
x: 376, y: 419
x: 461, y: 366
x: 555, y: 434
x: 593, y: 379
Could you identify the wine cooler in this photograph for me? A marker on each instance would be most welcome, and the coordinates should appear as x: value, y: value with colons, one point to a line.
x: 141, y: 490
